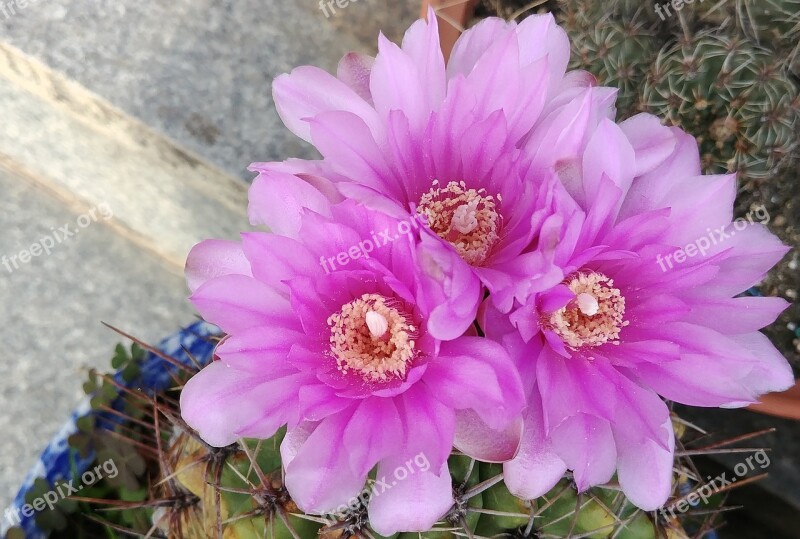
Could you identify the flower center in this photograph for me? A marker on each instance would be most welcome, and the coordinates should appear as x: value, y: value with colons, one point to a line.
x: 594, y: 317
x: 466, y: 218
x: 372, y: 338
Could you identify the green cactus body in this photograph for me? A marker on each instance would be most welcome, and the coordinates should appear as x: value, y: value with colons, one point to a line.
x: 733, y: 96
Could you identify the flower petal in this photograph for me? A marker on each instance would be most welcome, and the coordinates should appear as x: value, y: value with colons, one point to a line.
x: 224, y: 404
x: 414, y: 503
x: 214, y: 258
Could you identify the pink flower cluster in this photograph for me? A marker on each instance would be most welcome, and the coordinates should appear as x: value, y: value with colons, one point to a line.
x: 526, y: 323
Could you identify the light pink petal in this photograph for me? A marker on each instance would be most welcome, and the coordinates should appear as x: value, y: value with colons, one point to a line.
x: 318, y: 401
x: 277, y: 200
x: 374, y: 432
x: 644, y: 469
x: 451, y: 291
x: 421, y: 44
x: 772, y: 372
x: 355, y: 70
x: 745, y: 257
x: 276, y: 258
x: 699, y: 204
x: 308, y: 91
x: 608, y: 154
x: 476, y: 439
x: 474, y: 44
x: 652, y: 142
x: 540, y: 37
x: 238, y: 302
x: 477, y: 373
x: 319, y: 477
x: 736, y: 315
x: 429, y: 425
x: 350, y: 149
x: 259, y: 350
x: 415, y: 500
x: 224, y: 404
x: 396, y: 84
x: 214, y: 258
x: 537, y: 468
x: 648, y: 191
x: 586, y: 445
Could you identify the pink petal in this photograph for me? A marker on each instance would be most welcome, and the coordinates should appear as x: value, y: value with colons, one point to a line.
x: 319, y: 477
x: 355, y: 70
x: 476, y: 439
x: 429, y: 425
x: 276, y: 258
x: 644, y: 469
x: 652, y: 142
x: 476, y: 373
x: 214, y: 258
x: 238, y: 302
x: 415, y: 500
x: 586, y: 445
x: 537, y: 468
x: 276, y: 201
x: 308, y: 91
x: 350, y: 148
x: 224, y: 404
x: 474, y: 44
x: 451, y: 292
x: 257, y: 350
x: 374, y: 431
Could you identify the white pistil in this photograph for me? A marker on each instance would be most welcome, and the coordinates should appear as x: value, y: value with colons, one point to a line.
x: 377, y: 324
x: 465, y: 218
x: 588, y: 304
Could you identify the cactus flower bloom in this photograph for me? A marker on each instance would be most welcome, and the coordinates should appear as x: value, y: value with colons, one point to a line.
x: 652, y: 262
x: 406, y: 134
x: 330, y: 337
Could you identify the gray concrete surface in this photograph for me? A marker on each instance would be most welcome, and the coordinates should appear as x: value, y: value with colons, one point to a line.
x: 51, y: 309
x: 129, y: 103
x: 200, y: 70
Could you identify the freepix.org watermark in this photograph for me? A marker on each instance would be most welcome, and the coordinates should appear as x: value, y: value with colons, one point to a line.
x: 715, y: 485
x: 49, y: 499
x: 379, y: 485
x: 714, y: 237
x: 46, y: 244
x: 328, y: 7
x: 378, y: 240
x: 676, y: 5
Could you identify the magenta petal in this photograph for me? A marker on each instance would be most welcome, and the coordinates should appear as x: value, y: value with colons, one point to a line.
x: 258, y: 350
x: 277, y: 201
x: 319, y: 477
x: 476, y: 439
x: 237, y: 303
x: 476, y: 373
x: 429, y: 425
x: 276, y: 258
x: 214, y: 258
x: 586, y: 444
x: 374, y: 432
x: 451, y: 290
x: 355, y: 70
x: 474, y: 43
x: 644, y: 469
x: 652, y: 142
x: 397, y: 84
x: 308, y: 91
x: 537, y: 468
x: 421, y: 44
x: 224, y: 404
x: 411, y: 500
